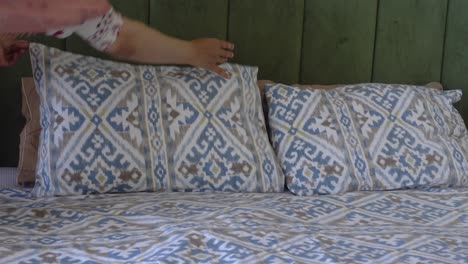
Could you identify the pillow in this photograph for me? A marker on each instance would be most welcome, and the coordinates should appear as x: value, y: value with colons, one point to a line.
x: 263, y: 83
x: 115, y: 127
x: 29, y: 138
x: 367, y: 137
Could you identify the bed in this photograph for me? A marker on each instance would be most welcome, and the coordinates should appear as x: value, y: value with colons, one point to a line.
x: 414, y: 226
x: 8, y: 177
x: 355, y: 223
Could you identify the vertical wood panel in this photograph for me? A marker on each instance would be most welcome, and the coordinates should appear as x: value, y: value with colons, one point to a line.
x: 10, y: 103
x: 410, y: 41
x: 189, y: 19
x: 455, y: 72
x: 268, y: 33
x: 136, y: 9
x: 338, y: 42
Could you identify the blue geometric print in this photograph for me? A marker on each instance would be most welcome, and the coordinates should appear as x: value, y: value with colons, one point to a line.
x: 409, y: 226
x: 367, y: 137
x: 114, y: 127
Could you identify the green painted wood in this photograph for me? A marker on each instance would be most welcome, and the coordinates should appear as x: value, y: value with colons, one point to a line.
x: 338, y: 44
x: 268, y: 34
x: 189, y: 19
x: 410, y: 39
x: 10, y: 103
x: 455, y: 72
x: 334, y: 45
x: 135, y: 9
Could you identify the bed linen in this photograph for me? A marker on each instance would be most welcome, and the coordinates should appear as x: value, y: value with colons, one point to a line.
x: 414, y: 226
x: 8, y: 177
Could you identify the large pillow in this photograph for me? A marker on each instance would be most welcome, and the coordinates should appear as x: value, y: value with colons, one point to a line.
x: 367, y: 137
x: 115, y: 127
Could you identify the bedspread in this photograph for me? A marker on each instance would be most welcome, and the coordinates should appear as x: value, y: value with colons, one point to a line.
x: 417, y: 226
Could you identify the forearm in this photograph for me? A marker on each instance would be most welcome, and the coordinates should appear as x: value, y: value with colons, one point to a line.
x: 138, y: 42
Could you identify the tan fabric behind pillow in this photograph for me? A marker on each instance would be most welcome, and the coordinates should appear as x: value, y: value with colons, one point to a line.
x: 29, y: 140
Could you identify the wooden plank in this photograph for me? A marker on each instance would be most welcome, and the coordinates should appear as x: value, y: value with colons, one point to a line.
x: 338, y: 42
x: 136, y: 9
x: 10, y: 103
x: 268, y: 34
x: 455, y: 72
x: 410, y: 39
x: 189, y: 19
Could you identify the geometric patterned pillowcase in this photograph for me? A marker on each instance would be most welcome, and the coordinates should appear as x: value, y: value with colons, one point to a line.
x: 367, y: 137
x: 114, y: 127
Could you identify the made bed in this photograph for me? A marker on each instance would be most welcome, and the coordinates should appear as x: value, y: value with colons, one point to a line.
x: 415, y: 226
x: 142, y: 164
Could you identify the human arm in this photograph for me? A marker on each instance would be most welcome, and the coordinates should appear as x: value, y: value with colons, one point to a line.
x: 138, y: 42
x: 119, y: 36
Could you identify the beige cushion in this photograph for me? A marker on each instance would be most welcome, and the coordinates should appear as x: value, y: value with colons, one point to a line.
x: 29, y: 138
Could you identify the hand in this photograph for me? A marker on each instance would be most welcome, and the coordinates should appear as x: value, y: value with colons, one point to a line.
x: 209, y: 53
x: 11, y: 50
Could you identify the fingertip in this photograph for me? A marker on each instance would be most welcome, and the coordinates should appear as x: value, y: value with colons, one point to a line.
x: 224, y: 74
x: 228, y: 45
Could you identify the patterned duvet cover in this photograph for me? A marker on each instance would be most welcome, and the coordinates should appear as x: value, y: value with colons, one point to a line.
x: 417, y: 226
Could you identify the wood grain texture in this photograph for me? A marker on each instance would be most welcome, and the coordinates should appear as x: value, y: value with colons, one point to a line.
x: 410, y: 38
x: 455, y: 71
x: 334, y: 45
x: 338, y: 44
x: 268, y: 33
x: 188, y: 19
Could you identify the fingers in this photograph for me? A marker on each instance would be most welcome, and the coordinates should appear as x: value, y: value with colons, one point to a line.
x: 13, y: 58
x: 14, y: 52
x: 226, y: 50
x: 221, y: 60
x: 226, y: 54
x: 227, y: 45
x: 15, y: 49
x: 209, y: 53
x: 221, y: 72
x: 11, y: 54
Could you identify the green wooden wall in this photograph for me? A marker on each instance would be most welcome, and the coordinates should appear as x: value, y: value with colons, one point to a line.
x: 296, y: 41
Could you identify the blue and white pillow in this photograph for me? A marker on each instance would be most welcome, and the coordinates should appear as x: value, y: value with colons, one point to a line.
x: 115, y: 127
x: 367, y: 137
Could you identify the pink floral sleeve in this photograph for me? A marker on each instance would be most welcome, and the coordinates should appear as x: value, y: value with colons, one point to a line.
x: 39, y: 16
x: 100, y: 32
x: 93, y: 20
